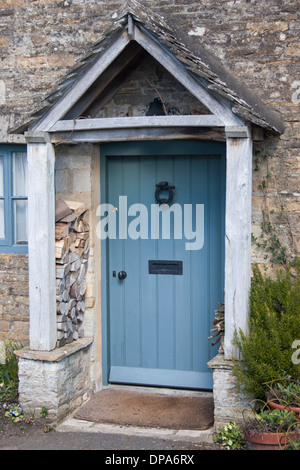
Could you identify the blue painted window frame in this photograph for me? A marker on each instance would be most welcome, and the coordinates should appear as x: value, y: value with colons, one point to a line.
x: 7, y: 244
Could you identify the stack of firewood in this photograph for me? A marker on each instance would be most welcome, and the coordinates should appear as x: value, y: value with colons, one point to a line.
x: 71, y: 253
x: 219, y: 327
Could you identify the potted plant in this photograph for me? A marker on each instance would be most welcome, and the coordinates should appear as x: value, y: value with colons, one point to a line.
x: 285, y: 394
x: 270, y: 429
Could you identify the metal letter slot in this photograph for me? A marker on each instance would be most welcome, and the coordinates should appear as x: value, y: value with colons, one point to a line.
x: 165, y: 267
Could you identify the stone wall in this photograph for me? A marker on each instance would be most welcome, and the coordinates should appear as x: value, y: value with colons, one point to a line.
x: 59, y: 381
x: 257, y: 41
x: 150, y: 90
x: 14, y: 302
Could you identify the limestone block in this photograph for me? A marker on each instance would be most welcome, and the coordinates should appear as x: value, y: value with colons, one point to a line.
x: 263, y: 27
x: 82, y: 181
x: 34, y: 62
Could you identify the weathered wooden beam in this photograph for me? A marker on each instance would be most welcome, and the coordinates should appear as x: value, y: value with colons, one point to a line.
x: 118, y: 135
x: 205, y: 120
x: 237, y: 235
x: 41, y: 245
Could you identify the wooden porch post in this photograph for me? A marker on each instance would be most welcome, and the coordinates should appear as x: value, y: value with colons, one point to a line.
x: 41, y: 242
x: 237, y: 233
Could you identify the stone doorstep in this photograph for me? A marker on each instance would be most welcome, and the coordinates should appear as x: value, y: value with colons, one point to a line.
x: 56, y: 355
x: 74, y: 425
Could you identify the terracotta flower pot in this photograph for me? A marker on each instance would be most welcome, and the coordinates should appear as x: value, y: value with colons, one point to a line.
x: 268, y: 441
x: 295, y: 410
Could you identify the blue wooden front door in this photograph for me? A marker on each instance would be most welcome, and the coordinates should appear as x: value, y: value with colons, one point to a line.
x: 159, y: 314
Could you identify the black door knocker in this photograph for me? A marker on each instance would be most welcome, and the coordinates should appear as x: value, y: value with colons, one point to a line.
x: 164, y: 186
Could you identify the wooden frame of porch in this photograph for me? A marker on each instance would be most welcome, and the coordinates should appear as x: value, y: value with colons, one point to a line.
x: 53, y: 127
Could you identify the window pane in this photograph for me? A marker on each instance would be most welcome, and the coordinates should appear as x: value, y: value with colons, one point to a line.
x: 19, y: 174
x: 1, y: 177
x: 20, y: 219
x: 2, y: 227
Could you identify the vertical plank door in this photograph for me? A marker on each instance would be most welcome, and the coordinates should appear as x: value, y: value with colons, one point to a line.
x: 158, y: 324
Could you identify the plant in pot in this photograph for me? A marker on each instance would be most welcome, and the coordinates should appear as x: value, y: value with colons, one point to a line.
x: 284, y: 394
x: 269, y: 429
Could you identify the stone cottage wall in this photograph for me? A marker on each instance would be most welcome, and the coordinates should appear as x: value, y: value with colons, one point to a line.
x: 14, y: 302
x: 257, y: 41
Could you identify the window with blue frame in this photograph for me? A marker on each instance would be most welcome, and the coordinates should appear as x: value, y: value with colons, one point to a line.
x: 13, y: 199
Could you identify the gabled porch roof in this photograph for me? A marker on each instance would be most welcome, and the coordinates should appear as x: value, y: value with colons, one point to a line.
x: 137, y: 29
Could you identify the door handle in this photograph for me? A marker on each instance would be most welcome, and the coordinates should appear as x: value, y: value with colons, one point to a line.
x: 122, y: 275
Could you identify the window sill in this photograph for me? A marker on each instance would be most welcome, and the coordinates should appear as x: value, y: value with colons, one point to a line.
x: 17, y: 249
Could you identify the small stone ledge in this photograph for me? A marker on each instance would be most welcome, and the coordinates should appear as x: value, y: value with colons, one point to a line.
x: 219, y: 362
x: 56, y: 355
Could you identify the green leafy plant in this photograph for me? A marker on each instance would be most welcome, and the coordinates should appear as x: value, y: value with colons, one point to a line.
x: 274, y: 324
x: 292, y: 444
x: 9, y: 372
x: 259, y: 419
x: 285, y: 392
x: 276, y: 419
x: 290, y: 393
x: 269, y: 240
x: 44, y: 412
x: 231, y: 437
x: 13, y: 412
